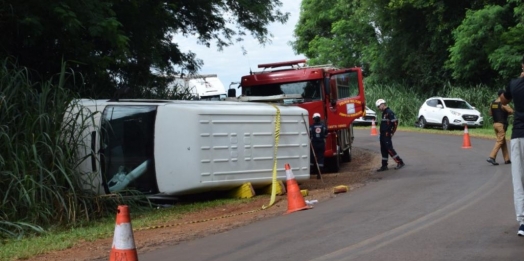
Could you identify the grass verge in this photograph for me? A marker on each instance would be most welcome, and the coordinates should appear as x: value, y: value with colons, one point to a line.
x: 63, y: 239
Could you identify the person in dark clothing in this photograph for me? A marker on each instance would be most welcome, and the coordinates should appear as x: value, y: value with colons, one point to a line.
x: 500, y: 113
x: 388, y: 126
x: 515, y: 92
x: 318, y: 132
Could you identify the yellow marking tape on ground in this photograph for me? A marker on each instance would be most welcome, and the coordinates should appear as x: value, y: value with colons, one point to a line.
x: 196, y: 221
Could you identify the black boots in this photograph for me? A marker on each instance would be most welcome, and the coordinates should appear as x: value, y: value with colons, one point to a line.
x: 383, y: 168
x: 400, y: 165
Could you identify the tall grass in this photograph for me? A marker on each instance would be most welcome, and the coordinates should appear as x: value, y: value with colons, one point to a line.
x: 39, y: 153
x: 405, y: 101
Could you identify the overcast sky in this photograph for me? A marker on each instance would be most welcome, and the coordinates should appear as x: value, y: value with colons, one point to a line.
x: 230, y: 64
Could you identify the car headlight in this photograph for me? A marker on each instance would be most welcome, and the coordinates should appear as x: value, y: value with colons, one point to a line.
x: 455, y: 113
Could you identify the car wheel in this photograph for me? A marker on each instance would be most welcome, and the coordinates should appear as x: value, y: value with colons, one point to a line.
x: 445, y: 124
x: 422, y: 122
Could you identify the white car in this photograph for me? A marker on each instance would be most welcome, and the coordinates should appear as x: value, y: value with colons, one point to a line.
x: 367, y: 118
x: 448, y: 113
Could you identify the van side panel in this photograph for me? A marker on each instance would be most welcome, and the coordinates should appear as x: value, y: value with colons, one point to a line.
x: 201, y: 146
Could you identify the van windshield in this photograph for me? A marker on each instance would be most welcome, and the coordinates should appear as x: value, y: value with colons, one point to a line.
x: 127, y: 142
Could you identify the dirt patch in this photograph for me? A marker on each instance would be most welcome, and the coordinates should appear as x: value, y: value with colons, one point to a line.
x: 219, y: 219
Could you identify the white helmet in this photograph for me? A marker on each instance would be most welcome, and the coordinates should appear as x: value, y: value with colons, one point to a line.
x: 316, y: 114
x: 379, y: 101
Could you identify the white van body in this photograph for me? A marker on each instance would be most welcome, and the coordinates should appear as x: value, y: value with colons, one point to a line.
x: 185, y: 147
x: 203, y: 87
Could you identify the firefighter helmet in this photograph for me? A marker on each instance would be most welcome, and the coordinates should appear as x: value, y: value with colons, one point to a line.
x: 316, y: 115
x: 379, y: 101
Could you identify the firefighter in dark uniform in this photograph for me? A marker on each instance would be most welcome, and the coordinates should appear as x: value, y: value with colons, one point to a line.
x: 318, y: 132
x: 388, y: 126
x: 500, y: 115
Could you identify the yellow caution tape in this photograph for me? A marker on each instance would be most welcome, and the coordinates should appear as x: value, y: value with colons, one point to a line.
x: 274, y: 181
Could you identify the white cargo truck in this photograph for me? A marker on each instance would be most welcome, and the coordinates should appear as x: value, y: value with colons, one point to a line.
x: 184, y: 147
x: 202, y: 87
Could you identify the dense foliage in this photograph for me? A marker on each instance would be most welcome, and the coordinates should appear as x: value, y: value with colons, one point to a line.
x: 113, y: 44
x: 419, y: 43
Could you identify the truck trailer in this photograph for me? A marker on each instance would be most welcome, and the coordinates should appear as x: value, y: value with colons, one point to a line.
x: 169, y: 148
x: 202, y: 87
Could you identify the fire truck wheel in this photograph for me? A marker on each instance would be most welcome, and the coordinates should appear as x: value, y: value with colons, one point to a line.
x: 346, y: 156
x: 333, y: 163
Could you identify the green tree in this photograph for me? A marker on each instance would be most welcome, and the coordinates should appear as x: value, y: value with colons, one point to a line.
x: 118, y: 43
x: 333, y: 32
x: 488, y: 44
x: 416, y: 35
x: 400, y: 41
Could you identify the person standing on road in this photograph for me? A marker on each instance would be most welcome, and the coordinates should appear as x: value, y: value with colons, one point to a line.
x: 318, y: 132
x: 388, y: 126
x: 500, y: 115
x: 515, y: 92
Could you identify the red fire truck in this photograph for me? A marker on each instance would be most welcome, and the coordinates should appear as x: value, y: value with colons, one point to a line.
x: 336, y: 93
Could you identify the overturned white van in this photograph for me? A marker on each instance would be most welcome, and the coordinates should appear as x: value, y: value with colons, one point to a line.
x: 185, y: 147
x: 202, y: 87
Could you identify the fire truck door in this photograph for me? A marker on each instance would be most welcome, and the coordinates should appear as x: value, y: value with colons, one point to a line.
x: 346, y: 94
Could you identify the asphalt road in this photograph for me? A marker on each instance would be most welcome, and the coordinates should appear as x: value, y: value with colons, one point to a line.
x: 448, y: 203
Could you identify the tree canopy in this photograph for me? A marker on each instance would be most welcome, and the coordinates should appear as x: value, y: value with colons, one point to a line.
x: 417, y: 42
x: 109, y: 44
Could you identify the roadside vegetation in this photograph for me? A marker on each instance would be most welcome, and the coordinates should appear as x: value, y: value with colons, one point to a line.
x: 63, y: 238
x: 39, y: 145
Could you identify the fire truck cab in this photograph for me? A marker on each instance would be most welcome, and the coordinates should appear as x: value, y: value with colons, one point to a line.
x: 336, y: 93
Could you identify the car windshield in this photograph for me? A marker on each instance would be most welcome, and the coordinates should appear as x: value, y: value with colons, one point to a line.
x: 457, y: 104
x: 307, y: 89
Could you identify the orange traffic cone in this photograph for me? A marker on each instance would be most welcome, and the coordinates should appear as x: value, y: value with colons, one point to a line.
x: 373, y: 128
x: 123, y: 248
x: 466, y: 143
x: 295, y: 200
